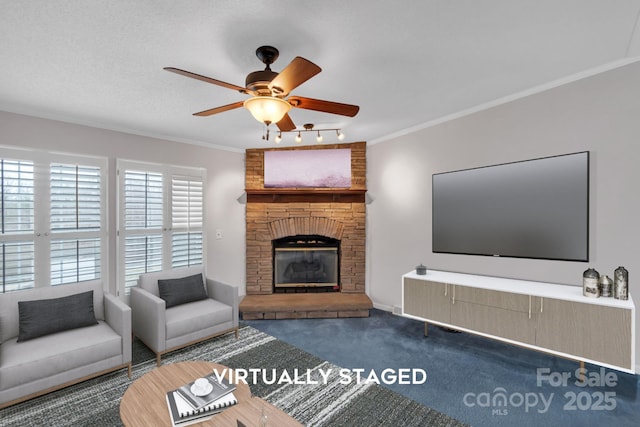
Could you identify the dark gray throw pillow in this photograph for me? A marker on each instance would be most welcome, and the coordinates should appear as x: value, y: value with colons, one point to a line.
x: 47, y: 316
x: 181, y: 291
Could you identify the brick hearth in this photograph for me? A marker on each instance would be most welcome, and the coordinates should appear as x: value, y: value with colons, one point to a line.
x: 275, y: 213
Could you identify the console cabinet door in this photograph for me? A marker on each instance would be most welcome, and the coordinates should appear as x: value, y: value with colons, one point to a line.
x: 501, y: 314
x: 427, y: 300
x: 586, y: 330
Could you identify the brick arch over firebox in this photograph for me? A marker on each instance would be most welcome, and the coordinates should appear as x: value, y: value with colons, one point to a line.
x: 306, y: 226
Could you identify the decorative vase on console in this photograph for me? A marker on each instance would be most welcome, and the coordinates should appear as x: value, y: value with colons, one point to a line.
x: 590, y: 281
x: 621, y: 283
x: 606, y: 286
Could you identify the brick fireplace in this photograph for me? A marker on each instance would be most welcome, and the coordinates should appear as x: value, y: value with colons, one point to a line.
x: 273, y: 214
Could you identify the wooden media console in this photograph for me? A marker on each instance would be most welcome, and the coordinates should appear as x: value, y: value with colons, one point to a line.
x: 548, y: 317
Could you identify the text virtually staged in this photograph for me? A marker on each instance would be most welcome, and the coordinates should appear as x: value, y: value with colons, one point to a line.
x: 406, y: 376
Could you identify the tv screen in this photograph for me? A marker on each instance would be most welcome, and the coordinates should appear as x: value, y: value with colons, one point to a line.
x: 530, y: 209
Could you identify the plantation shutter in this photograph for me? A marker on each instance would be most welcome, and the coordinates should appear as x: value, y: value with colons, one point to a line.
x: 143, y: 221
x: 75, y: 221
x: 186, y: 221
x: 160, y: 219
x: 17, y: 254
x: 75, y: 197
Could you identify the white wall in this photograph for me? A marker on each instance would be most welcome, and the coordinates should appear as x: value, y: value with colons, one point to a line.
x: 225, y: 180
x: 600, y: 114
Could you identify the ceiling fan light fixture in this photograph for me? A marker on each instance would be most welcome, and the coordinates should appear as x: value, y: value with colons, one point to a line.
x: 298, y: 138
x: 278, y: 138
x: 267, y: 109
x: 340, y: 135
x: 319, y: 138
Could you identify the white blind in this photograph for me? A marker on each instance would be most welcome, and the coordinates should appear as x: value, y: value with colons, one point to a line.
x: 75, y: 197
x: 186, y: 221
x: 16, y: 200
x: 17, y: 251
x: 186, y: 249
x: 142, y: 254
x: 143, y: 200
x: 160, y: 222
x: 143, y: 214
x: 52, y: 218
x: 75, y: 260
x: 17, y: 265
x: 76, y: 208
x: 186, y: 203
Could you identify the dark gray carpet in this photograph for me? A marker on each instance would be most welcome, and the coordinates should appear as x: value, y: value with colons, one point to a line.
x: 96, y: 402
x: 458, y: 364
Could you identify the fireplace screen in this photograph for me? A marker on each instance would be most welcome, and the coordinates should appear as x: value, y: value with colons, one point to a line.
x: 304, y: 266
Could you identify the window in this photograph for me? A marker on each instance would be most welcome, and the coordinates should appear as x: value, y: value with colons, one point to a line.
x: 17, y: 224
x: 75, y: 223
x: 186, y: 218
x: 160, y: 219
x: 143, y: 221
x: 51, y: 219
x: 17, y: 196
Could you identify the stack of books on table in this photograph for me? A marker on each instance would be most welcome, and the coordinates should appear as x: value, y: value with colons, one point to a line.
x: 190, y: 405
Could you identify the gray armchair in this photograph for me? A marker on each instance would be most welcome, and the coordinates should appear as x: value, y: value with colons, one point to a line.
x: 165, y: 329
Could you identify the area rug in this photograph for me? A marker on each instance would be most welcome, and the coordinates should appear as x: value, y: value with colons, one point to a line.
x: 321, y: 394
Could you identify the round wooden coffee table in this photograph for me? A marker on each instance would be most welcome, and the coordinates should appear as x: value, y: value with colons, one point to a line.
x: 144, y: 404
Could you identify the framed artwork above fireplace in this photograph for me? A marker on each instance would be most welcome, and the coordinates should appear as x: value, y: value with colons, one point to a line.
x: 325, y: 168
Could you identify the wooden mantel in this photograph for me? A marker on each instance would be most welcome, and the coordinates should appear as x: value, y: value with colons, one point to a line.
x: 315, y: 195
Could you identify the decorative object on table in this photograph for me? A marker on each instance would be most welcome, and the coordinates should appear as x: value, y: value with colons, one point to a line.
x: 200, y: 399
x: 590, y: 279
x: 203, y: 391
x: 606, y: 286
x: 182, y: 413
x: 421, y: 270
x: 621, y: 283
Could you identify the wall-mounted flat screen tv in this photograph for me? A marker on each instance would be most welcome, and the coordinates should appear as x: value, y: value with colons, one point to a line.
x: 530, y: 209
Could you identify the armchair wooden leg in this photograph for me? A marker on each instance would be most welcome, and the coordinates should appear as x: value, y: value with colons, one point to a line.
x: 129, y: 371
x: 158, y: 359
x: 237, y: 334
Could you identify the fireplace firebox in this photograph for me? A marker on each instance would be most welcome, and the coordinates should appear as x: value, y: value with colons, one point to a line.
x: 306, y: 264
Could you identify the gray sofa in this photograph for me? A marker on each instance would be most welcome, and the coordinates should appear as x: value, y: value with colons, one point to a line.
x: 34, y: 366
x: 165, y: 329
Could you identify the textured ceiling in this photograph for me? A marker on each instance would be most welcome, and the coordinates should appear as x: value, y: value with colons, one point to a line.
x: 405, y: 63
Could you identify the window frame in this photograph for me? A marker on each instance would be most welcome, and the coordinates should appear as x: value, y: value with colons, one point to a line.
x: 166, y: 230
x: 42, y: 236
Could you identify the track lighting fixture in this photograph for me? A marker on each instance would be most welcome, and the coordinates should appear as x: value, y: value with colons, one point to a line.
x: 308, y: 127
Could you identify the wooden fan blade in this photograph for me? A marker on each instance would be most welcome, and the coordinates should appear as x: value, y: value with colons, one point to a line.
x: 324, y: 106
x: 286, y: 124
x: 219, y: 109
x: 208, y: 80
x: 297, y: 72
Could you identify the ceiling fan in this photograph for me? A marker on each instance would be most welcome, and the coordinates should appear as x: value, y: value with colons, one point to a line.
x: 270, y: 101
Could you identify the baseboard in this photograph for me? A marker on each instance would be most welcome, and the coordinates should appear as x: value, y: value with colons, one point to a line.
x: 384, y: 307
